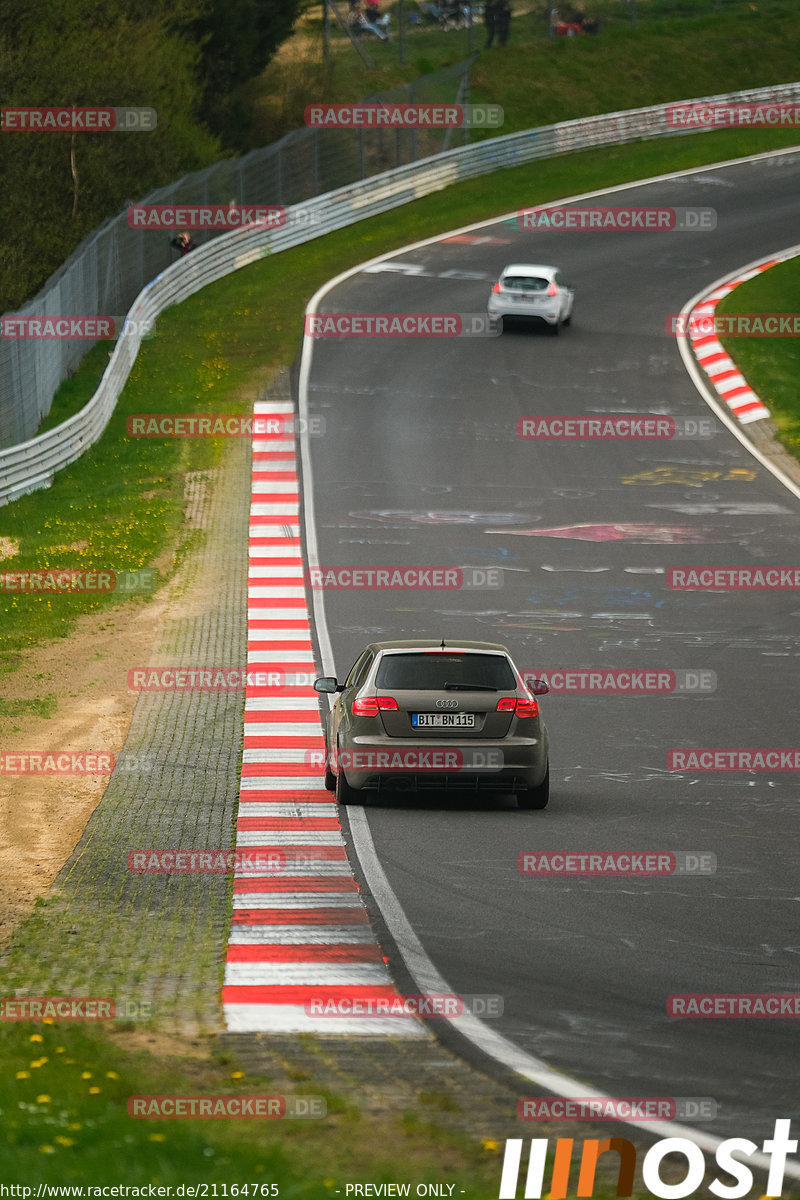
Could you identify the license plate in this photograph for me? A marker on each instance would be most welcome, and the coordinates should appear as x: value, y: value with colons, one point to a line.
x: 443, y: 720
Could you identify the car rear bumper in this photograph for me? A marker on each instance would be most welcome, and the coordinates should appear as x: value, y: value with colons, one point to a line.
x: 549, y: 313
x: 374, y: 763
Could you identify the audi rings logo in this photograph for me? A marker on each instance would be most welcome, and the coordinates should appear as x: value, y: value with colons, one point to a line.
x: 447, y: 704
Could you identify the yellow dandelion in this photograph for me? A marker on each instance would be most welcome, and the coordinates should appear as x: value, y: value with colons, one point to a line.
x: 489, y: 1143
x: 39, y: 1062
x: 62, y: 1141
x: 36, y: 1037
x: 156, y: 1137
x: 95, y: 1091
x: 60, y: 1050
x: 329, y: 1182
x: 112, y: 1075
x: 86, y: 1075
x: 43, y: 1099
x: 47, y: 1149
x: 237, y: 1075
x: 47, y: 1020
x: 23, y: 1075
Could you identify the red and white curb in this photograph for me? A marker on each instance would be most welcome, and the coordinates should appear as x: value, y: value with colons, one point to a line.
x: 302, y: 934
x: 723, y: 374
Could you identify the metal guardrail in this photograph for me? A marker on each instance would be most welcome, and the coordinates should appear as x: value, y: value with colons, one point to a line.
x: 32, y: 464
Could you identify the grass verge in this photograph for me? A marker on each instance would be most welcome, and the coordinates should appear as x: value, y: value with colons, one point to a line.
x: 64, y: 1097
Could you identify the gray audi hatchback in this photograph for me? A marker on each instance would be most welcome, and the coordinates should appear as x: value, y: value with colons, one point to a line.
x: 427, y: 714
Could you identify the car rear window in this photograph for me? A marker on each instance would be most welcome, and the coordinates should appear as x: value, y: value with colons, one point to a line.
x: 526, y: 283
x: 430, y: 672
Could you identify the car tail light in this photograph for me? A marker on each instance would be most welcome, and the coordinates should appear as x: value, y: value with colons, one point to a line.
x: 497, y: 288
x: 552, y: 290
x: 519, y: 705
x: 369, y: 706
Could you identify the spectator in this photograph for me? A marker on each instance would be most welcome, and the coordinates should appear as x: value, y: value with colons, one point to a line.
x: 374, y: 22
x: 587, y: 24
x: 450, y: 14
x: 489, y: 18
x: 183, y: 243
x: 502, y: 21
x: 358, y: 21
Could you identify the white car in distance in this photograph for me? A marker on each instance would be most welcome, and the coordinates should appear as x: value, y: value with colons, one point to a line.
x: 532, y: 292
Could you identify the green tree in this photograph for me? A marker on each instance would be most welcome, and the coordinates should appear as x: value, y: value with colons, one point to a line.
x: 57, y: 187
x: 237, y: 39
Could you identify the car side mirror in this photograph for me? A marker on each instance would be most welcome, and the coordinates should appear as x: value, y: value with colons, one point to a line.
x: 327, y: 683
x: 538, y: 687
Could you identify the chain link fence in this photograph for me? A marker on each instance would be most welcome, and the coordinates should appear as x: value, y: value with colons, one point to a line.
x: 110, y: 267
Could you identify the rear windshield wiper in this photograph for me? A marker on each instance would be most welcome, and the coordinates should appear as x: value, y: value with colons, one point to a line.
x: 469, y: 687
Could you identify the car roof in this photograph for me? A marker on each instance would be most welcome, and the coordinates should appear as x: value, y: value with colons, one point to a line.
x: 436, y: 644
x: 528, y: 269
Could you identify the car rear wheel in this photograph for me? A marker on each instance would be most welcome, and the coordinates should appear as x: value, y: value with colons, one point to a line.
x: 330, y: 778
x: 536, y: 797
x: 344, y: 793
